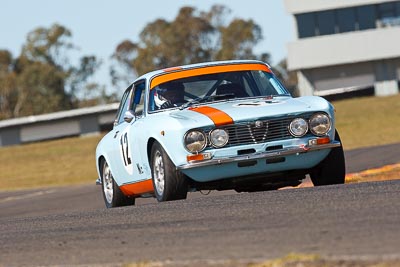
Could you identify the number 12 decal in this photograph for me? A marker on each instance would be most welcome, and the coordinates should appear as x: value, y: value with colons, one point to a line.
x: 125, y: 149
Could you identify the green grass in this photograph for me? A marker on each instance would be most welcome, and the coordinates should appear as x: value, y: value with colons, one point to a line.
x: 361, y: 122
x: 49, y: 163
x: 368, y: 121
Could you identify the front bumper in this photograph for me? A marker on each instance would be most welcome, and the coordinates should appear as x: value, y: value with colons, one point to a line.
x: 293, y: 150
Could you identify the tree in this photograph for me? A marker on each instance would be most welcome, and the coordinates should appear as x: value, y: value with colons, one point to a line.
x: 81, y: 88
x: 238, y: 40
x: 191, y: 37
x: 40, y: 90
x: 7, y: 84
x: 41, y: 79
x: 52, y: 46
x: 49, y: 46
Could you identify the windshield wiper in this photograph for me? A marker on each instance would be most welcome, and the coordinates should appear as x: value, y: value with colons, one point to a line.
x: 223, y: 97
x: 196, y: 101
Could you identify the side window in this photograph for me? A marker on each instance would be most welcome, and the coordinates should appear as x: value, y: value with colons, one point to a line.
x: 123, y: 106
x: 137, y: 103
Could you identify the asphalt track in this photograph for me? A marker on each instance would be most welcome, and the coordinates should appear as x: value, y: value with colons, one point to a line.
x: 70, y: 226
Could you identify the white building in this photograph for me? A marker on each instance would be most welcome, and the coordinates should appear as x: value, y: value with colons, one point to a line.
x: 346, y: 46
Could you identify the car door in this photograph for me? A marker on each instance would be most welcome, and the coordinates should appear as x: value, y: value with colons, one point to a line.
x: 120, y: 156
x: 135, y: 136
x: 128, y: 138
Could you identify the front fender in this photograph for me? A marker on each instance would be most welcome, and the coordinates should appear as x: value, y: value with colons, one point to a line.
x: 103, y: 152
x: 175, y: 150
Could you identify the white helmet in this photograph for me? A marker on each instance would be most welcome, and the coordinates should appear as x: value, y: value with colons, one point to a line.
x: 168, y: 95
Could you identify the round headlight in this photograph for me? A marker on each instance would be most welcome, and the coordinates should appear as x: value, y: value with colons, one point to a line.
x: 298, y: 127
x: 320, y: 124
x: 219, y: 137
x: 195, y: 141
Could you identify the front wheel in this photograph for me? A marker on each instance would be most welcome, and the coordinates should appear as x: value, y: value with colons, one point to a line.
x: 332, y: 169
x: 112, y: 194
x: 168, y: 183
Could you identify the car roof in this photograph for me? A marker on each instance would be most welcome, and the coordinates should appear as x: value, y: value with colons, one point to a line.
x: 177, y: 69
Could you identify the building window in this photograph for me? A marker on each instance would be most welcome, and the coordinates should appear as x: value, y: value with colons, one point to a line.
x: 366, y: 17
x: 305, y: 25
x: 346, y: 19
x: 326, y: 22
x: 389, y: 14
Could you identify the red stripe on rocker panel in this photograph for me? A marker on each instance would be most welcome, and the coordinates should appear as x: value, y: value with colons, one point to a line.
x: 137, y: 188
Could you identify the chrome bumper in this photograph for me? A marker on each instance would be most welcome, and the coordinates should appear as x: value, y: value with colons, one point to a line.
x: 295, y: 150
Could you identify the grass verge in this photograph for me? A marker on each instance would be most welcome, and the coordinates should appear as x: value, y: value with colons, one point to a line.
x: 389, y: 172
x: 50, y: 163
x: 290, y: 260
x: 310, y: 260
x: 368, y: 121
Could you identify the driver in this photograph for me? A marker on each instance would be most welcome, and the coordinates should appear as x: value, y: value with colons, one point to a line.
x: 168, y: 95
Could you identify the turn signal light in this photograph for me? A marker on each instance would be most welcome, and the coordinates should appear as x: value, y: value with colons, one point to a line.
x: 319, y: 141
x: 323, y: 140
x: 198, y: 157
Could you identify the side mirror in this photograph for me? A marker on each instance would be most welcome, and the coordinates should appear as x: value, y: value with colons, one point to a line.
x: 129, y: 116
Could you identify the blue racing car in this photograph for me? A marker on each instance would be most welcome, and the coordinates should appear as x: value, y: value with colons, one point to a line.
x: 215, y: 126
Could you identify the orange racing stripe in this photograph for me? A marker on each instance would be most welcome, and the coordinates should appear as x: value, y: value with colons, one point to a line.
x: 184, y: 73
x: 217, y: 116
x: 137, y: 188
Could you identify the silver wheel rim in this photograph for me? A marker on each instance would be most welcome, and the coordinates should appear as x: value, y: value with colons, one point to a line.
x: 108, y: 183
x: 159, y: 177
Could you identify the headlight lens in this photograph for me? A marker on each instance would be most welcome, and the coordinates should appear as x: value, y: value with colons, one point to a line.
x: 219, y: 137
x: 298, y: 127
x: 195, y: 141
x: 320, y: 124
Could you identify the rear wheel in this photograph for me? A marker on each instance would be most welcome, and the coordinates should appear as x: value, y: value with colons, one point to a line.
x: 332, y: 169
x: 168, y: 183
x: 112, y: 194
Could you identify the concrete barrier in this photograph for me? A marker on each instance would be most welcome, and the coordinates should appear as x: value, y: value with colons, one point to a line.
x: 57, y: 125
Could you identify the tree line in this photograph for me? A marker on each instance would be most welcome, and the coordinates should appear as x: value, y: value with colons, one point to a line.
x: 42, y: 78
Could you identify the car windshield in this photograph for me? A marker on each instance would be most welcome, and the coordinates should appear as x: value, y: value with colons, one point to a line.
x: 207, y: 88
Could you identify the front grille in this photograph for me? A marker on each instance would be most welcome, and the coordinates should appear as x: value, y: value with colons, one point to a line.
x: 260, y: 131
x: 249, y: 133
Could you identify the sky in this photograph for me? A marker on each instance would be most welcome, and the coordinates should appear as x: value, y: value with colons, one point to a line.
x: 98, y: 26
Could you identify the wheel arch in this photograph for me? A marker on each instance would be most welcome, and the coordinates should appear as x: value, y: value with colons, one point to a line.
x: 324, y: 173
x: 169, y: 145
x: 150, y: 144
x: 100, y: 160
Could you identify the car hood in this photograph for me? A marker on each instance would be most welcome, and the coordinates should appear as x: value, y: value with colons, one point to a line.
x: 249, y: 109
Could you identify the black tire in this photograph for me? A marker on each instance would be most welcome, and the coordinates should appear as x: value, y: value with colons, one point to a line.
x: 169, y: 184
x: 112, y: 194
x: 332, y: 170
